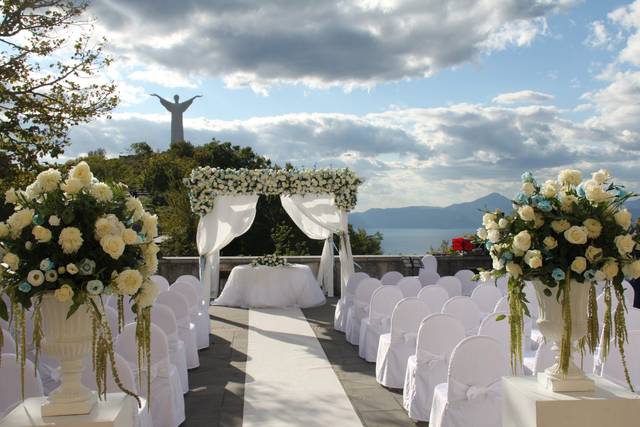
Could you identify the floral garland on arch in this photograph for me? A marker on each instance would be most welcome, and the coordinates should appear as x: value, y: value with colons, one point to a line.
x: 566, y: 232
x: 80, y: 240
x: 205, y: 183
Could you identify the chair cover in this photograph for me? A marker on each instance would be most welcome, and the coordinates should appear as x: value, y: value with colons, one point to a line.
x: 465, y: 310
x: 451, y: 284
x: 112, y: 319
x: 346, y: 299
x: 395, y: 347
x: 429, y: 262
x: 410, y: 286
x: 383, y: 301
x: 10, y: 393
x: 435, y: 296
x: 360, y: 309
x: 530, y: 292
x: 186, y: 330
x: 167, y: 403
x: 428, y: 277
x: 161, y: 282
x: 189, y: 278
x: 163, y: 317
x: 199, y: 318
x: 503, y: 284
x: 633, y: 319
x: 486, y: 296
x: 612, y: 368
x: 391, y: 278
x: 502, y: 306
x: 629, y: 293
x: 465, y: 277
x: 437, y: 337
x: 8, y: 343
x: 498, y: 330
x: 471, y: 396
x: 129, y: 315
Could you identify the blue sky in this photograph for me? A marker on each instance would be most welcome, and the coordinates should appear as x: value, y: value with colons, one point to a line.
x: 454, y: 97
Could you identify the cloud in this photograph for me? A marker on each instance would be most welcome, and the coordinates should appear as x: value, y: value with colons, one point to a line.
x: 598, y: 36
x: 523, y: 97
x: 319, y: 44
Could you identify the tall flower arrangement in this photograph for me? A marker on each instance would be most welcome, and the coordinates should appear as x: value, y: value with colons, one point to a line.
x: 565, y: 232
x: 81, y: 240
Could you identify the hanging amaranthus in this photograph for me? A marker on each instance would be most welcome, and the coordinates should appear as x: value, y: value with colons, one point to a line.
x: 566, y: 342
x: 516, y: 321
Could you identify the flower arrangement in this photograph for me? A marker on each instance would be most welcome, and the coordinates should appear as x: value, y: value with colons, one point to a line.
x: 272, y: 260
x: 78, y: 239
x: 565, y: 232
x: 205, y: 183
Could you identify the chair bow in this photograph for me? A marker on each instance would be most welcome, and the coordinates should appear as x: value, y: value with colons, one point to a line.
x: 425, y: 357
x: 382, y: 323
x: 475, y: 392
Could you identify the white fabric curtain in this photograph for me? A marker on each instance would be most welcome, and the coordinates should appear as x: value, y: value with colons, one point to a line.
x: 322, y: 210
x: 231, y: 217
x: 314, y: 231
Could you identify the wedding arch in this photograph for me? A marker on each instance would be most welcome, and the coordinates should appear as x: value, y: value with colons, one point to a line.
x: 317, y: 200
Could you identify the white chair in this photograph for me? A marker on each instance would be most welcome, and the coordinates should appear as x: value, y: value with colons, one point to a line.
x: 197, y: 286
x: 391, y: 278
x: 502, y: 306
x: 428, y: 277
x: 360, y: 309
x: 199, y: 318
x: 629, y: 293
x: 486, y: 296
x: 161, y: 282
x: 167, y: 403
x: 471, y: 396
x: 435, y: 296
x: 125, y: 374
x: 8, y: 343
x: 112, y: 319
x: 410, y: 286
x: 466, y: 311
x: 498, y: 330
x: 438, y: 335
x: 450, y: 284
x: 129, y: 315
x: 503, y: 284
x: 632, y: 319
x: 530, y: 292
x: 430, y: 262
x: 383, y: 301
x: 612, y: 368
x: 163, y: 317
x: 345, y: 301
x: 466, y: 279
x: 395, y: 347
x: 186, y: 330
x: 10, y: 392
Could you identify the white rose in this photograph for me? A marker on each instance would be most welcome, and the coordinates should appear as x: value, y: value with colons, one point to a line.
x: 526, y: 213
x: 494, y: 236
x: 150, y: 225
x: 485, y: 276
x: 148, y: 293
x: 601, y: 176
x: 54, y: 221
x: 12, y: 260
x: 550, y: 243
x: 610, y: 269
x: 19, y: 220
x: 49, y: 179
x: 623, y: 218
x: 72, y: 186
x: 632, y: 270
x: 482, y: 233
x: 103, y: 227
x: 549, y: 189
x: 576, y: 235
x: 70, y: 240
x: 492, y: 225
x: 488, y: 217
x: 82, y: 173
x: 113, y: 245
x: 595, y: 193
x: 570, y: 177
x: 514, y: 269
x: 538, y: 220
x: 134, y: 206
x: 33, y: 191
x: 129, y: 236
x: 11, y: 196
x: 579, y: 264
x: 101, y: 192
x: 41, y: 234
x: 128, y: 282
x: 593, y: 254
x: 560, y: 225
x: 624, y: 244
x: 568, y: 200
x: 503, y: 223
x: 4, y: 230
x: 72, y: 269
x: 64, y: 293
x: 593, y: 226
x: 528, y: 188
x: 522, y: 241
x: 533, y: 259
x: 497, y: 264
x: 35, y: 278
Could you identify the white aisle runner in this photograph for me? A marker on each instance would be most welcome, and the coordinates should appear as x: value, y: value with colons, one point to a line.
x: 289, y: 380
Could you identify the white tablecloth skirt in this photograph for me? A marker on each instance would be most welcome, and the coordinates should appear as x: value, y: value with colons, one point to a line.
x: 290, y: 286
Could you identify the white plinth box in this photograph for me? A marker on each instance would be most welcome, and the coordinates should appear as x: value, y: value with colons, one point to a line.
x: 118, y: 410
x: 526, y: 403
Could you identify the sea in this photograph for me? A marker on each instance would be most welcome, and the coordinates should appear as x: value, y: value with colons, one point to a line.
x: 416, y: 241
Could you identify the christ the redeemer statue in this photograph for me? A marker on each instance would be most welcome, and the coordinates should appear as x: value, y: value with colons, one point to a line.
x: 176, y: 109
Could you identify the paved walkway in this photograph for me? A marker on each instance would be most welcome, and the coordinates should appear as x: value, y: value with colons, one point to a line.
x: 217, y: 396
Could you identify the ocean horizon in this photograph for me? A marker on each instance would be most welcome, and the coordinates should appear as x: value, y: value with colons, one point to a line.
x: 416, y: 241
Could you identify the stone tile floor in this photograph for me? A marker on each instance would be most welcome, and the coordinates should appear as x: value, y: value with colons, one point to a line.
x: 217, y: 386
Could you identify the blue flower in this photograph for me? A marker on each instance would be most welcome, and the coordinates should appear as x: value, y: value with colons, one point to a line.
x: 87, y: 267
x: 580, y: 191
x: 508, y: 256
x: 37, y: 219
x: 521, y: 198
x: 558, y: 274
x: 94, y: 287
x: 46, y: 264
x: 545, y: 206
x: 24, y: 287
x: 620, y: 192
x: 527, y: 177
x: 537, y: 199
x: 590, y: 275
x: 488, y: 245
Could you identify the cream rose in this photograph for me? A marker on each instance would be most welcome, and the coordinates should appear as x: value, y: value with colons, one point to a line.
x: 503, y: 223
x: 595, y: 193
x: 538, y: 220
x: 528, y: 188
x: 533, y: 259
x: 526, y: 213
x: 514, y: 269
x: 4, y: 230
x: 70, y: 240
x: 593, y: 226
x: 103, y: 227
x: 134, y: 206
x: 593, y: 254
x: 113, y: 245
x: 148, y: 293
x: 41, y: 234
x: 128, y: 282
x: 579, y: 264
x: 570, y: 177
x: 601, y: 176
x: 485, y: 276
x: 623, y: 218
x: 610, y: 269
x: 497, y: 264
x: 550, y: 243
x: 54, y: 220
x: 150, y: 225
x: 632, y: 270
x: 72, y: 186
x: 64, y: 293
x: 576, y: 235
x: 49, y: 179
x: 560, y: 225
x: 82, y: 173
x: 494, y: 236
x: 624, y: 244
x: 101, y: 192
x: 522, y: 241
x: 12, y: 260
x: 11, y: 196
x: 482, y: 233
x: 567, y: 202
x: 72, y: 269
x: 129, y: 236
x: 19, y: 220
x: 549, y: 189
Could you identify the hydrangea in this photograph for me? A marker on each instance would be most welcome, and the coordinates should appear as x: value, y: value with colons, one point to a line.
x: 558, y: 274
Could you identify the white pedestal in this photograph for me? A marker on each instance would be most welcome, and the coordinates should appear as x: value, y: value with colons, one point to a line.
x: 118, y: 410
x: 526, y: 403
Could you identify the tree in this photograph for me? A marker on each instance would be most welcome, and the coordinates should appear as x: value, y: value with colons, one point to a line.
x: 363, y: 243
x: 141, y: 149
x: 42, y: 91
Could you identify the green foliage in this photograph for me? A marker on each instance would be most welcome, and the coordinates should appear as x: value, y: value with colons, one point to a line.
x: 363, y: 243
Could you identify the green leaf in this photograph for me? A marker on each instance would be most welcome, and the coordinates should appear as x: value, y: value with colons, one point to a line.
x: 501, y: 317
x: 4, y: 314
x: 547, y: 292
x: 74, y: 307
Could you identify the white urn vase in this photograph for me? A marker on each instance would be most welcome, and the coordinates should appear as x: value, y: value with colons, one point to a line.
x: 551, y: 325
x: 69, y: 341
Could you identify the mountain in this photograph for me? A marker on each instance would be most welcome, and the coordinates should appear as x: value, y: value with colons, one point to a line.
x: 460, y: 215
x: 634, y: 208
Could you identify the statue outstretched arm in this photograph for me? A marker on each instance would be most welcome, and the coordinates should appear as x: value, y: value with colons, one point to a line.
x: 186, y: 104
x: 166, y: 104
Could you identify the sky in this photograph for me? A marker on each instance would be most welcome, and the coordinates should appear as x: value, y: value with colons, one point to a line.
x: 431, y: 102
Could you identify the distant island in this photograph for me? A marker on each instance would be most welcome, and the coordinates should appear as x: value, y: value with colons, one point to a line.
x: 459, y: 215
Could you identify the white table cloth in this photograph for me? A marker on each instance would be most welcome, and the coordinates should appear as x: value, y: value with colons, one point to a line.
x: 261, y: 286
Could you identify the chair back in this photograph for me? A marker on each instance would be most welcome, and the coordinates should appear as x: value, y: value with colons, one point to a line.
x: 530, y: 292
x: 428, y: 277
x: 633, y: 318
x: 365, y: 290
x: 497, y: 329
x: 112, y: 319
x: 465, y: 380
x: 502, y: 306
x: 126, y: 345
x: 383, y: 301
x: 430, y: 263
x: 410, y: 286
x: 465, y: 310
x: 466, y: 279
x: 451, y: 284
x: 177, y: 303
x: 486, y: 296
x: 8, y: 343
x: 10, y: 393
x: 629, y: 293
x: 129, y: 315
x: 163, y: 284
x: 186, y: 290
x: 354, y: 281
x: 613, y: 369
x: 189, y: 278
x: 391, y: 278
x: 407, y: 317
x: 163, y: 317
x: 503, y: 284
x: 437, y: 337
x: 435, y: 296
